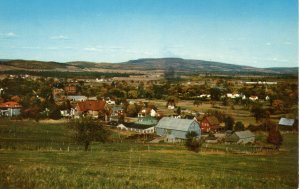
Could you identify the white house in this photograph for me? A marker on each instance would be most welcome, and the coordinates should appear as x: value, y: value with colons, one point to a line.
x: 171, y: 107
x: 152, y: 113
x: 253, y: 98
x: 110, y: 102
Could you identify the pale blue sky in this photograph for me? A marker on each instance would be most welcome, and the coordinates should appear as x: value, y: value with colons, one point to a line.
x: 261, y: 33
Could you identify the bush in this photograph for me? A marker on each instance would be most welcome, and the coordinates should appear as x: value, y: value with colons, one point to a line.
x: 239, y: 126
x: 192, y: 142
x: 229, y: 122
x: 275, y: 137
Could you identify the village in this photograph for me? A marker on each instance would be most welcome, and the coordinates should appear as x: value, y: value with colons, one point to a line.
x: 217, y: 110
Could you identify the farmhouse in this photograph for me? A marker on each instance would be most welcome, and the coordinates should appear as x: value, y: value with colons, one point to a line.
x: 116, y: 113
x: 90, y: 107
x: 147, y: 111
x: 70, y: 89
x: 241, y: 137
x: 210, y: 123
x: 176, y: 128
x: 10, y: 109
x: 253, y: 98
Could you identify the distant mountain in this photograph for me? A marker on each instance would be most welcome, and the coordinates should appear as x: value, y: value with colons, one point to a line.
x: 143, y: 66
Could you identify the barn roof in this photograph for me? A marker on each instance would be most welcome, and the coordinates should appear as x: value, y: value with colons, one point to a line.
x: 212, y: 120
x: 244, y: 134
x: 10, y: 104
x: 286, y: 122
x: 94, y: 105
x: 175, y: 124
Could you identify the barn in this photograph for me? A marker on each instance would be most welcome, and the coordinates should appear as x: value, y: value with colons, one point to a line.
x: 176, y: 128
x: 241, y: 137
x: 210, y: 123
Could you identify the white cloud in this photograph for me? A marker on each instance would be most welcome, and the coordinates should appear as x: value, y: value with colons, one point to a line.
x: 287, y: 43
x: 8, y: 35
x: 59, y: 37
x: 268, y: 43
x: 92, y: 49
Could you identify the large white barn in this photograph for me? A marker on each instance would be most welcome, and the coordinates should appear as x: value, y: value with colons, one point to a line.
x: 176, y: 128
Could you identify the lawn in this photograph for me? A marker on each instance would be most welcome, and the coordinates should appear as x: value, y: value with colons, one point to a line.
x: 42, y: 155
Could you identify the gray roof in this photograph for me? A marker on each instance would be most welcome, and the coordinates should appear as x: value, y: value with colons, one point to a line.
x: 175, y: 124
x: 244, y: 134
x: 286, y: 122
x: 117, y: 108
x: 77, y: 98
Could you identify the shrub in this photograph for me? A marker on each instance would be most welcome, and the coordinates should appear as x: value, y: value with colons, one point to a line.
x: 192, y: 142
x: 239, y: 126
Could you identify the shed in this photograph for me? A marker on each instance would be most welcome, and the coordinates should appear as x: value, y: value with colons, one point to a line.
x: 122, y: 127
x: 177, y: 127
x: 241, y: 137
x: 286, y: 122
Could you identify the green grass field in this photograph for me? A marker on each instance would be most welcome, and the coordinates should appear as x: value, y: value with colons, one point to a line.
x: 43, y: 155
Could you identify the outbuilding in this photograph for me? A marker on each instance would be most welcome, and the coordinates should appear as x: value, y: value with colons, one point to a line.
x: 286, y: 122
x: 241, y: 137
x: 177, y: 128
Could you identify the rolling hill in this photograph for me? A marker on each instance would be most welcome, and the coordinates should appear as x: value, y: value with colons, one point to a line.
x: 144, y: 65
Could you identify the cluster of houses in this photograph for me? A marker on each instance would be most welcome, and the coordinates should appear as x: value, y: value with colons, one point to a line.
x: 234, y: 96
x: 172, y: 129
x: 10, y: 109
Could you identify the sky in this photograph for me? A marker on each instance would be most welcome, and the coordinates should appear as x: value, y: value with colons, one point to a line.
x: 259, y: 33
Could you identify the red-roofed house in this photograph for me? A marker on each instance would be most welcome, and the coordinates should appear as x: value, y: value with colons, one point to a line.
x: 91, y: 107
x: 210, y: 123
x: 10, y: 109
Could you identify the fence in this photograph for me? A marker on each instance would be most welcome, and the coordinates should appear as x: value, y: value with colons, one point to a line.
x: 148, y: 130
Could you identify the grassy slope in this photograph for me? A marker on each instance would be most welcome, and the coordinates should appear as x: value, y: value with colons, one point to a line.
x: 131, y: 165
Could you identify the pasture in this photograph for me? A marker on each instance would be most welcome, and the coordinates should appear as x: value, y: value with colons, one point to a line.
x: 43, y: 155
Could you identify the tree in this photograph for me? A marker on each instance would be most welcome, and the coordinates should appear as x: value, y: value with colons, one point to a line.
x: 225, y: 101
x: 278, y: 105
x: 274, y: 136
x: 55, y: 113
x: 88, y: 130
x: 259, y: 113
x: 32, y: 112
x: 215, y: 93
x: 115, y: 92
x: 197, y: 102
x: 192, y: 142
x: 132, y: 94
x: 132, y: 110
x: 178, y: 111
x: 239, y: 126
x: 171, y: 100
x: 229, y: 122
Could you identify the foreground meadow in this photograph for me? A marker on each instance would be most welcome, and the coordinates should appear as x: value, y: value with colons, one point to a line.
x: 43, y: 155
